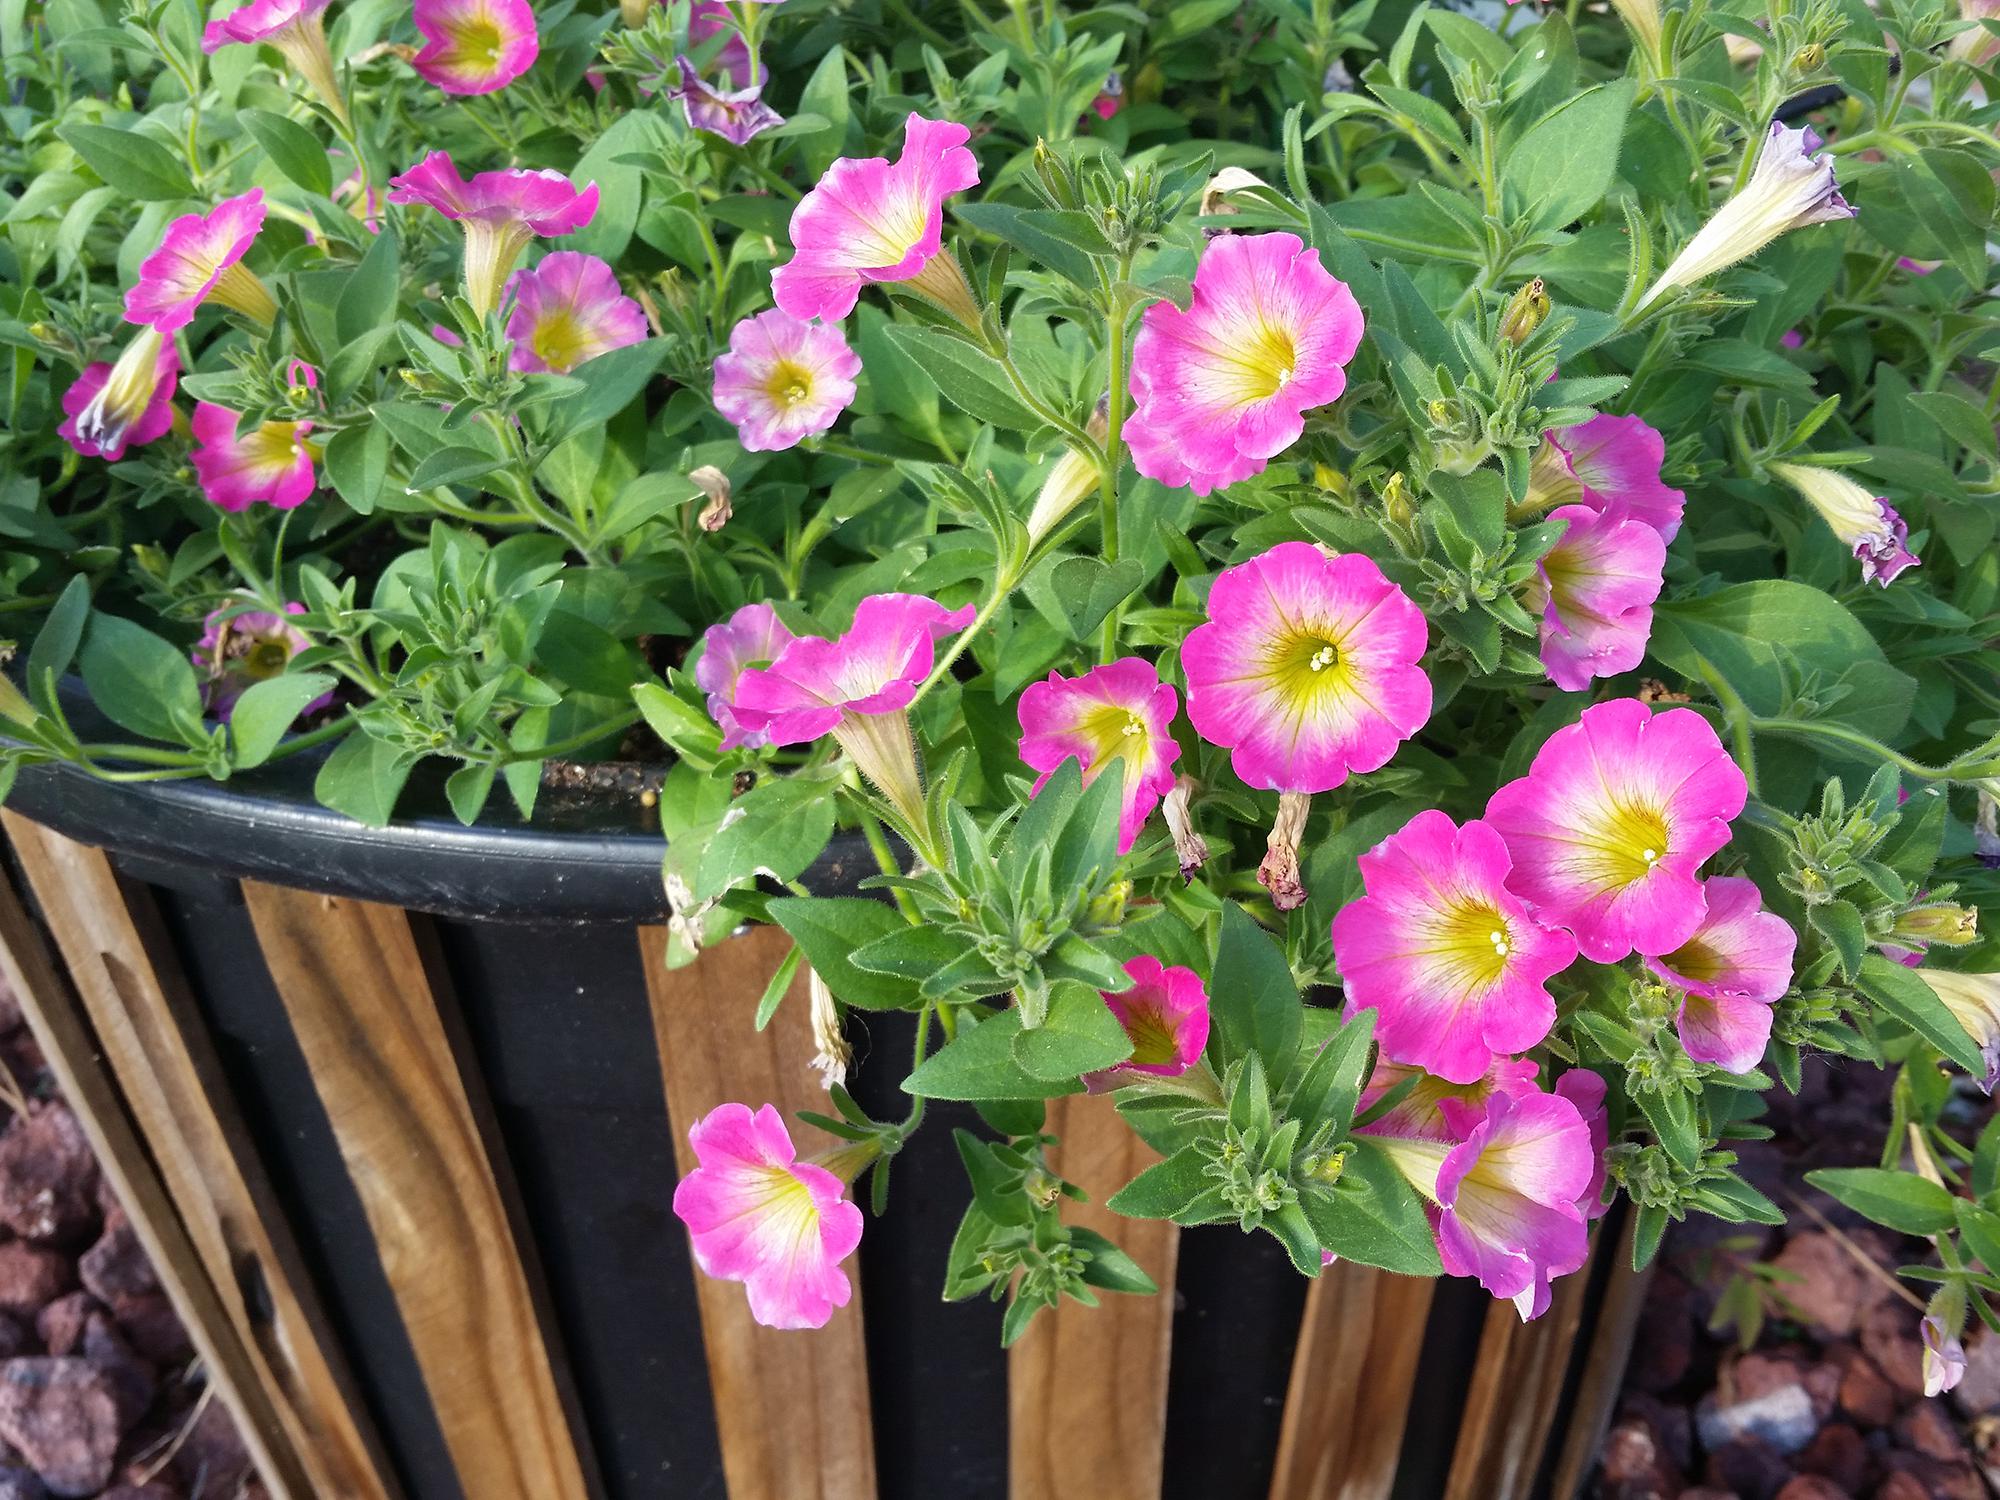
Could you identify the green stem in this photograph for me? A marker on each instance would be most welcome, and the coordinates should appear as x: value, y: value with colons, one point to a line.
x: 1114, y: 430
x: 923, y: 1043
x: 1855, y: 739
x: 1002, y: 587
x: 579, y: 741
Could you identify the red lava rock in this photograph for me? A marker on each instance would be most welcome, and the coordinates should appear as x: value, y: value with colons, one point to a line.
x: 1840, y: 1454
x: 1903, y: 1487
x: 48, y: 1176
x: 152, y: 1491
x: 1865, y: 1395
x: 1636, y: 1466
x: 63, y: 1417
x: 14, y: 1339
x: 1889, y: 1337
x: 1978, y: 1391
x: 31, y: 1277
x: 1813, y: 1487
x: 1927, y: 1477
x: 21, y: 1484
x: 132, y: 1378
x: 154, y: 1329
x: 60, y: 1325
x: 1672, y: 1425
x: 1928, y: 1430
x: 213, y: 1458
x: 1664, y: 1346
x: 1832, y: 1292
x: 1749, y: 1466
x: 116, y: 1267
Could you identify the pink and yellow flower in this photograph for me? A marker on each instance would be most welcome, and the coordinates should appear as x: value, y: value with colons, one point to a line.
x: 112, y: 407
x: 1594, y: 591
x: 1611, y: 824
x: 856, y: 688
x: 1419, y: 1114
x: 240, y: 648
x: 758, y: 1215
x: 1737, y: 963
x: 873, y: 220
x: 567, y: 311
x: 1866, y: 524
x: 202, y: 257
x: 1116, y: 716
x: 752, y: 637
x: 294, y: 29
x: 272, y: 465
x: 474, y: 46
x: 1605, y: 461
x: 1974, y: 1002
x: 1165, y: 1013
x: 1451, y: 961
x: 502, y: 213
x: 1221, y: 389
x: 1586, y: 1090
x: 783, y: 380
x: 736, y: 114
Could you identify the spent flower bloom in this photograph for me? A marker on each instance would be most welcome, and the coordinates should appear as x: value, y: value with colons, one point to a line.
x: 1612, y: 822
x: 856, y: 687
x: 201, y: 256
x: 474, y: 46
x: 752, y: 637
x: 1594, y: 592
x: 242, y: 647
x: 1866, y: 524
x: 1165, y: 1014
x: 711, y: 18
x: 1221, y: 389
x: 1789, y: 188
x: 295, y: 29
x: 112, y: 407
x: 1974, y: 1002
x: 873, y: 220
x: 502, y: 213
x: 783, y: 380
x: 758, y: 1215
x: 271, y: 465
x: 737, y: 114
x: 567, y: 311
x: 1115, y: 717
x: 1451, y: 961
x: 1730, y: 971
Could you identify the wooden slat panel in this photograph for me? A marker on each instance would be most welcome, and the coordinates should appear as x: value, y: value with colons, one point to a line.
x: 812, y: 1386
x: 1349, y: 1398
x: 153, y: 1037
x: 63, y: 1033
x: 1603, y: 1370
x: 366, y: 1012
x: 1517, y: 1380
x: 1087, y: 1387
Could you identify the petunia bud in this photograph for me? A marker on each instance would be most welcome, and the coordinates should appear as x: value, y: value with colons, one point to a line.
x: 1809, y: 59
x: 1643, y: 17
x: 1397, y: 505
x: 1866, y: 524
x: 1525, y: 312
x: 1072, y: 480
x: 1215, y: 196
x: 1948, y: 926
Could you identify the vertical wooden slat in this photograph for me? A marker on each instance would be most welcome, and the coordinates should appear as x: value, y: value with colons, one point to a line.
x: 1603, y: 1369
x: 70, y: 1049
x: 1517, y: 1380
x: 791, y: 1408
x: 1087, y: 1387
x: 1349, y: 1398
x: 153, y: 1038
x: 366, y: 1014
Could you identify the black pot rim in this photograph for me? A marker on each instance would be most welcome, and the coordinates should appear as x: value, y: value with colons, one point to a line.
x: 579, y: 860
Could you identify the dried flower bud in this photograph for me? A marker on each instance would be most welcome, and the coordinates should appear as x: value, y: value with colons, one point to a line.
x: 713, y: 483
x: 831, y: 1054
x: 1526, y: 312
x: 1189, y: 846
x: 1397, y: 503
x: 1279, y: 873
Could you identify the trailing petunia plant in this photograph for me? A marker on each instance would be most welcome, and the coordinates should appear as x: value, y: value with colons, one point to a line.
x: 1407, y: 593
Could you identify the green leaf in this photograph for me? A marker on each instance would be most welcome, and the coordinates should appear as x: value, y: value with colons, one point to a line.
x: 1904, y: 995
x: 1372, y: 1215
x: 267, y: 709
x: 1108, y: 1266
x: 1332, y: 1083
x: 1164, y: 1189
x: 913, y: 952
x: 369, y: 295
x: 1672, y: 1117
x: 1053, y: 238
x: 780, y: 985
x: 293, y: 149
x: 829, y: 929
x: 362, y: 778
x: 467, y: 789
x: 1839, y: 922
x: 136, y: 165
x: 1252, y: 997
x: 55, y: 646
x: 1980, y: 1230
x: 141, y: 682
x: 611, y: 382
x: 1079, y: 1035
x: 1563, y: 164
x: 780, y: 825
x: 454, y: 465
x: 357, y: 464
x: 972, y: 381
x: 978, y: 1064
x: 1901, y: 1201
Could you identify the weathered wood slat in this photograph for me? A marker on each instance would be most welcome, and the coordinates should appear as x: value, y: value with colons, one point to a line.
x: 814, y: 1386
x: 1348, y: 1401
x: 366, y: 1010
x: 153, y: 1037
x: 1087, y: 1387
x: 63, y: 1032
x: 1603, y: 1369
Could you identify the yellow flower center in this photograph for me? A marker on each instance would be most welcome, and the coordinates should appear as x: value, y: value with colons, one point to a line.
x: 560, y: 341
x: 789, y: 384
x: 1113, y: 732
x: 479, y: 42
x: 1152, y: 1035
x: 1629, y: 842
x: 1470, y: 942
x: 1306, y: 666
x: 1265, y: 363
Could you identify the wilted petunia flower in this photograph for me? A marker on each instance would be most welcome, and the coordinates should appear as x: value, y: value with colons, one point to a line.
x: 242, y: 647
x: 567, y: 311
x: 112, y: 407
x: 1117, y: 718
x: 734, y: 114
x: 501, y: 211
x: 201, y: 256
x: 1865, y: 523
x: 1974, y: 1002
x: 783, y: 380
x: 474, y: 46
x: 272, y: 465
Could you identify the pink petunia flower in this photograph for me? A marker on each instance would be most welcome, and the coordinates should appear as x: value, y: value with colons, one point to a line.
x: 737, y: 115
x: 1110, y: 99
x: 711, y: 18
x: 1612, y: 822
x: 294, y: 29
x: 1605, y: 461
x: 474, y: 46
x: 567, y: 311
x: 856, y: 688
x: 200, y: 257
x: 501, y: 211
x: 1737, y: 963
x: 1451, y: 961
x: 1118, y: 715
x: 1221, y: 389
x: 1974, y: 1002
x: 1865, y: 523
x: 1586, y: 1090
x: 112, y: 407
x: 240, y: 648
x: 1165, y: 1013
x: 1419, y: 1114
x: 1507, y: 1197
x: 1944, y: 1356
x: 758, y: 1215
x: 752, y: 637
x: 783, y: 380
x: 1306, y: 670
x: 272, y: 465
x: 1594, y: 591
x: 872, y: 220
